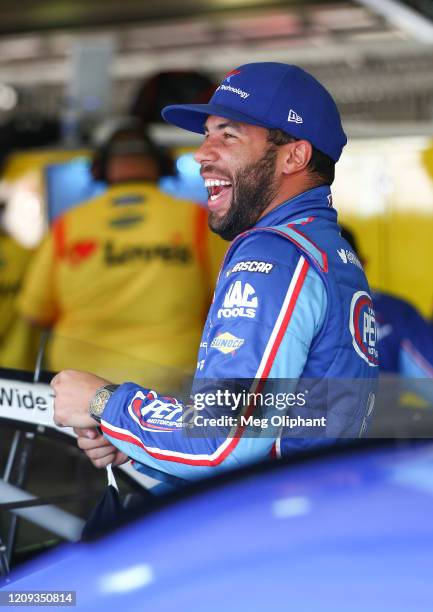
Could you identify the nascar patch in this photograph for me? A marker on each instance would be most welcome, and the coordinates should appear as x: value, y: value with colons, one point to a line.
x: 261, y: 267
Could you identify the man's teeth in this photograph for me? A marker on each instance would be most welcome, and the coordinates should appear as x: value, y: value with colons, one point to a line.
x: 215, y: 183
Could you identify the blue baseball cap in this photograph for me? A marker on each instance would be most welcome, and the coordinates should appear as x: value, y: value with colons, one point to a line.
x: 270, y: 95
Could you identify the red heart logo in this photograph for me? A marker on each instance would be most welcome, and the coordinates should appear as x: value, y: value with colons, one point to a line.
x: 82, y: 250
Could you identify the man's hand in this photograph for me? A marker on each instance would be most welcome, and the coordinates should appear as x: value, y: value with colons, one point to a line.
x: 73, y: 391
x: 98, y: 449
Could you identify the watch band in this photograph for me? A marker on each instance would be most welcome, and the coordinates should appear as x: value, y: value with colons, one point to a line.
x: 99, y: 401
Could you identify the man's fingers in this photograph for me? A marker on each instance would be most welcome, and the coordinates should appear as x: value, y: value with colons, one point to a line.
x: 103, y: 462
x: 99, y: 442
x: 73, y: 390
x: 120, y: 458
x: 54, y: 380
x: 116, y: 458
x: 98, y: 450
x: 101, y: 453
x: 86, y: 432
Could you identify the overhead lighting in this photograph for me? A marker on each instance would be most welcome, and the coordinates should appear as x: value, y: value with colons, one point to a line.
x: 23, y: 218
x: 8, y: 97
x: 403, y: 17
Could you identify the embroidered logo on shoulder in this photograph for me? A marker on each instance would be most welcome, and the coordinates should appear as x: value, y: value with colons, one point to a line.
x: 347, y: 256
x: 227, y: 343
x: 293, y: 117
x: 362, y: 325
x: 263, y: 267
x: 343, y: 255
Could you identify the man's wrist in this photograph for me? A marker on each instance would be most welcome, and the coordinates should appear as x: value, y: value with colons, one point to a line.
x: 99, y: 401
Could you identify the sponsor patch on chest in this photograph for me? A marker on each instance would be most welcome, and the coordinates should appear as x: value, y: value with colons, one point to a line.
x: 239, y: 301
x: 362, y: 325
x: 227, y: 343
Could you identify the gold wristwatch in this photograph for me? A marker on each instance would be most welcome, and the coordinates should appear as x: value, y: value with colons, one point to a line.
x: 99, y: 401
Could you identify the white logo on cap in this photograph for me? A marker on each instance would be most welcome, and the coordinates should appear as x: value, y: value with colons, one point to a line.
x: 294, y: 117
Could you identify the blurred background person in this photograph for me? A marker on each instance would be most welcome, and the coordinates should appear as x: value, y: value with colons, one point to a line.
x: 405, y: 338
x: 123, y: 279
x: 18, y: 339
x: 21, y: 144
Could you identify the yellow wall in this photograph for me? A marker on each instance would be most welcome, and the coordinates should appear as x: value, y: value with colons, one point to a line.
x: 23, y: 162
x: 384, y: 193
x: 23, y: 189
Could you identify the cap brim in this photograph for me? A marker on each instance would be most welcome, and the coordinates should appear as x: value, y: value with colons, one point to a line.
x: 192, y: 117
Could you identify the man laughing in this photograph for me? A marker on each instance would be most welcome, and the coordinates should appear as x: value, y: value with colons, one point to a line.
x: 288, y: 306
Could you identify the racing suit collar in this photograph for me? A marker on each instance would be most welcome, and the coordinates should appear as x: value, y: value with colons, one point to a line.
x: 303, y: 204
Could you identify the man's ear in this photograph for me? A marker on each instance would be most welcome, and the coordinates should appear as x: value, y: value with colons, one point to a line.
x: 295, y: 156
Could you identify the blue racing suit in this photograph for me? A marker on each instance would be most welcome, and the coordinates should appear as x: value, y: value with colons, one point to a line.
x: 291, y: 303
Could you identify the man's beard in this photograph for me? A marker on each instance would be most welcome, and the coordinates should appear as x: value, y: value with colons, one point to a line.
x: 253, y: 190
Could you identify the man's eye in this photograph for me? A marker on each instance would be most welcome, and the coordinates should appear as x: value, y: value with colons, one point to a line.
x: 228, y: 135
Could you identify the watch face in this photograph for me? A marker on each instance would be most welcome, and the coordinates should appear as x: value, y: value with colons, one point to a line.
x: 99, y: 401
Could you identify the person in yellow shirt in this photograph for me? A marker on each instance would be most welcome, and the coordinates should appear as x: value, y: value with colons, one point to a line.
x: 124, y: 279
x: 18, y: 340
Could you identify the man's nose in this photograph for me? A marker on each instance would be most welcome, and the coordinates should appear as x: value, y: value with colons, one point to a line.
x: 206, y: 152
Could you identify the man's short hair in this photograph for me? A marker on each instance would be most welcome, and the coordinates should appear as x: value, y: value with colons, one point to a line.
x: 321, y: 166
